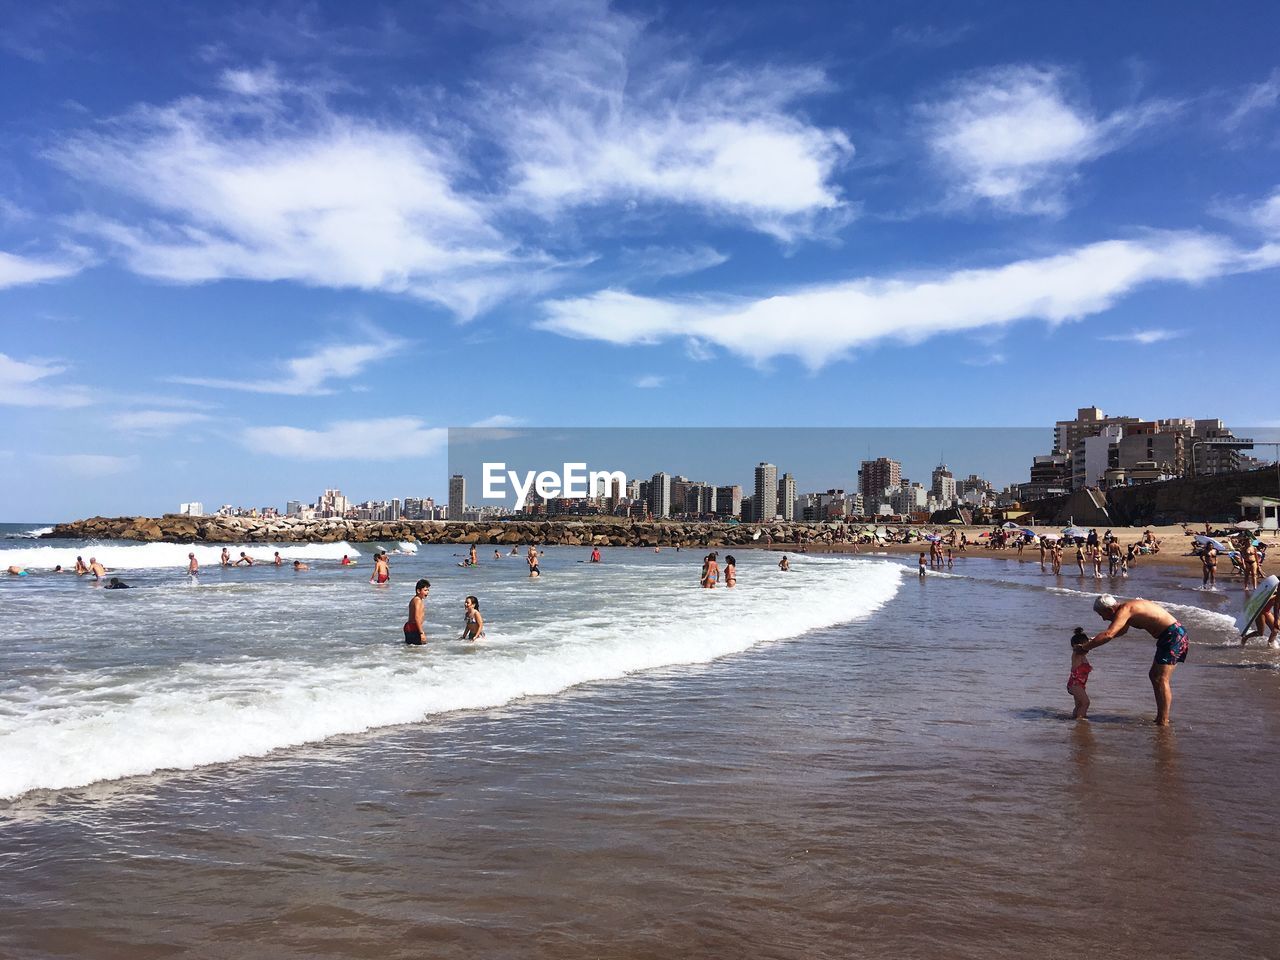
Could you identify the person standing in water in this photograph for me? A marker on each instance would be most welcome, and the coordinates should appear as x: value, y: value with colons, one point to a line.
x: 531, y: 558
x: 730, y: 572
x: 277, y: 560
x: 1080, y: 670
x: 1209, y: 560
x: 97, y: 569
x: 1171, y: 642
x: 381, y: 568
x: 81, y: 567
x: 473, y: 625
x: 471, y: 556
x: 710, y: 572
x: 415, y: 632
x: 226, y: 557
x: 193, y: 567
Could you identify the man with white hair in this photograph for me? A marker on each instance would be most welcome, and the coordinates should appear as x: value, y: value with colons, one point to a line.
x: 1171, y: 641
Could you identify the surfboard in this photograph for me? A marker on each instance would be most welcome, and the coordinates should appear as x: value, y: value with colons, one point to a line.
x: 1258, y: 600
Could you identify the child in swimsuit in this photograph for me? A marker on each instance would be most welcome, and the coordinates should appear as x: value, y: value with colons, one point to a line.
x: 473, y: 627
x: 1080, y: 670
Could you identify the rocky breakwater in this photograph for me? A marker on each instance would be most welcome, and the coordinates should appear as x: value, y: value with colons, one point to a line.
x: 185, y: 529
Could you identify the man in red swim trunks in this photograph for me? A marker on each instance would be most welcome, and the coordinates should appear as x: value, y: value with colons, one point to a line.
x: 1171, y: 641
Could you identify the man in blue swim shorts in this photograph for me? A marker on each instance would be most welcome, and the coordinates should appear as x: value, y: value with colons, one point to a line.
x: 1171, y: 641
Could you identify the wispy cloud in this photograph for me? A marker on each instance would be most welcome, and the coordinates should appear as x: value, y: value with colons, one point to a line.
x: 269, y: 183
x: 650, y: 381
x: 1257, y: 98
x: 821, y: 324
x: 16, y: 271
x: 86, y: 464
x: 1145, y: 337
x: 986, y: 360
x: 312, y: 374
x: 1014, y: 138
x: 610, y: 112
x: 156, y: 422
x: 498, y: 420
x: 652, y: 263
x: 23, y: 384
x: 389, y: 438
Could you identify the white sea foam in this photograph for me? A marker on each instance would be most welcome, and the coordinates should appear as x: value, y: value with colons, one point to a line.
x: 158, y: 556
x: 289, y: 682
x: 1209, y: 617
x: 32, y: 534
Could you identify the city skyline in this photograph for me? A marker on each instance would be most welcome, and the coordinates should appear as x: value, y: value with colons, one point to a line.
x: 293, y: 245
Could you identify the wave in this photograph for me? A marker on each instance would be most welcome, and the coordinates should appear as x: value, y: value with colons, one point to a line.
x: 205, y: 713
x: 162, y: 555
x: 33, y: 534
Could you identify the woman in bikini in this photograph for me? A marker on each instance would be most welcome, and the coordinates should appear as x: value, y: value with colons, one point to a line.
x: 730, y: 571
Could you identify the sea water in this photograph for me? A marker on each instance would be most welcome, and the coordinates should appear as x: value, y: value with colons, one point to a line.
x: 179, y: 671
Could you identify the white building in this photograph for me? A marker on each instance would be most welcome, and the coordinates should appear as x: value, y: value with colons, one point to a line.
x: 660, y: 494
x: 193, y: 509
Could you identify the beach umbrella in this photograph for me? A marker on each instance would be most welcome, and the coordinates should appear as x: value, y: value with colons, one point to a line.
x: 932, y: 537
x: 1049, y: 536
x: 1209, y: 541
x: 1075, y: 532
x: 1009, y: 525
x: 1029, y: 532
x: 1246, y: 525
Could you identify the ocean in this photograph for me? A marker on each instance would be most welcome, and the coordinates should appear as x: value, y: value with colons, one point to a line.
x: 839, y: 761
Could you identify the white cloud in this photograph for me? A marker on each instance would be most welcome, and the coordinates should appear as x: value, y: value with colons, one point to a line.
x: 389, y: 438
x: 1265, y: 215
x: 87, y: 464
x: 987, y: 360
x: 1145, y: 337
x: 656, y: 262
x: 650, y: 381
x: 282, y: 188
x: 22, y: 385
x: 822, y: 323
x: 607, y: 112
x: 1258, y: 97
x: 16, y: 270
x: 156, y: 421
x: 310, y: 375
x: 498, y: 420
x: 1013, y: 138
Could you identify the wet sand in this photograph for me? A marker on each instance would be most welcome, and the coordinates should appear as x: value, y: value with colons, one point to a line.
x: 907, y: 786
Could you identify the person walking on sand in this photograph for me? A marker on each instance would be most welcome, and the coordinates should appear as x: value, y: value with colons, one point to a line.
x: 473, y: 624
x: 531, y: 558
x: 1079, y: 676
x: 730, y: 572
x: 193, y: 566
x: 1171, y: 641
x: 415, y: 633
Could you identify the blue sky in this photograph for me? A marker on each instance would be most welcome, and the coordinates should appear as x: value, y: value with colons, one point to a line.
x: 250, y: 252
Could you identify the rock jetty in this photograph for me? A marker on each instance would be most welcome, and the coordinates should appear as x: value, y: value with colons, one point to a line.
x: 185, y: 529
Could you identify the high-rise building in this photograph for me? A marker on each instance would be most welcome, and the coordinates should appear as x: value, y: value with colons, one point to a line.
x: 660, y: 494
x: 877, y: 476
x: 293, y: 508
x: 765, y: 499
x: 943, y: 487
x: 332, y: 503
x: 457, y: 496
x: 728, y: 501
x: 787, y: 497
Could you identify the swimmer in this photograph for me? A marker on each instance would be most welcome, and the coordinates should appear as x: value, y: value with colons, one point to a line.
x: 225, y: 559
x: 244, y: 560
x: 193, y: 566
x: 710, y: 571
x: 497, y: 555
x: 785, y: 564
x: 473, y: 626
x: 299, y: 566
x: 730, y: 572
x: 115, y: 583
x: 415, y: 633
x: 97, y: 569
x: 17, y: 571
x: 277, y: 560
x: 532, y: 560
x: 81, y: 568
x: 346, y: 561
x: 381, y: 568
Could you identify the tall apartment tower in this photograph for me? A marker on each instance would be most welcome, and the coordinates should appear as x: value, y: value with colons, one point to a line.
x: 457, y: 496
x: 944, y: 485
x: 765, y: 500
x: 660, y: 495
x: 878, y: 475
x: 787, y: 497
